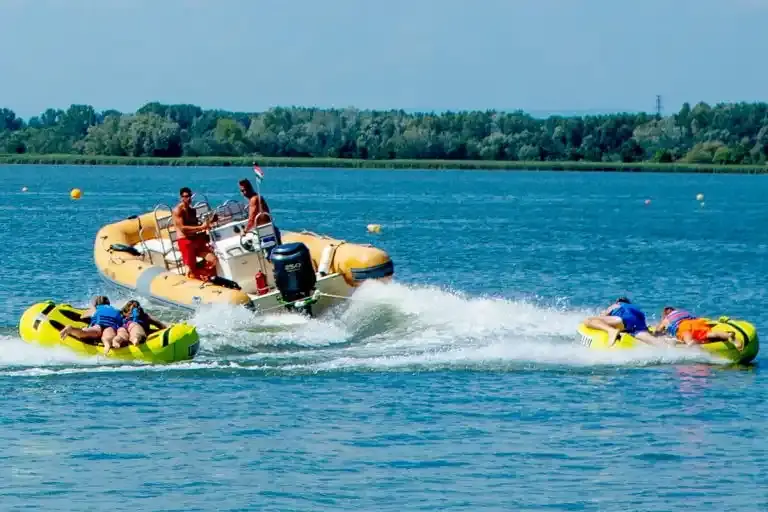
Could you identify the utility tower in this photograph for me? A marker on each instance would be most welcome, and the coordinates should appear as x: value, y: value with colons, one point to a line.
x: 658, y: 106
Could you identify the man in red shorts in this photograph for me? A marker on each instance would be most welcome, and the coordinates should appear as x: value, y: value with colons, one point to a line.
x: 193, y: 239
x: 691, y: 329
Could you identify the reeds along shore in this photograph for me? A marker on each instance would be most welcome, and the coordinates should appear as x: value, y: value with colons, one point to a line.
x: 351, y: 163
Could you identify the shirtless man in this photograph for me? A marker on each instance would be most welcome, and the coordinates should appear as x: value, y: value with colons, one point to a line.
x: 193, y: 239
x: 258, y: 211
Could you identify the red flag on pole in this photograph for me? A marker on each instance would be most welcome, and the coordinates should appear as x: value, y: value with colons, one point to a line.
x: 258, y: 171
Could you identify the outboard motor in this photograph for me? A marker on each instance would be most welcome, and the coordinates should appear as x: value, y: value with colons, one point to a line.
x: 294, y: 274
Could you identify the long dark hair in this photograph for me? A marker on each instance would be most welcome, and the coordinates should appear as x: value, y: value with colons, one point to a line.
x: 246, y: 184
x: 130, y: 306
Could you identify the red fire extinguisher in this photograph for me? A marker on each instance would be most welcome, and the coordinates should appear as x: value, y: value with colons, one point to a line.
x: 261, y: 283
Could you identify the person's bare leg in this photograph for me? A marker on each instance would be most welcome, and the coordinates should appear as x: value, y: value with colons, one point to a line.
x: 88, y: 332
x: 658, y: 341
x: 121, y: 338
x: 137, y: 334
x: 610, y: 324
x: 725, y: 336
x: 107, y: 337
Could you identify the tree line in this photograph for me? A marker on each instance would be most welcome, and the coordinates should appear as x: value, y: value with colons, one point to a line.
x: 723, y: 134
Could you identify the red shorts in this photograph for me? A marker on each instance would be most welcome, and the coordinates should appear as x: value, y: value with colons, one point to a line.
x: 190, y: 249
x: 699, y: 329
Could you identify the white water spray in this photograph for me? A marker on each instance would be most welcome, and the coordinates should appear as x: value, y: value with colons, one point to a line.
x: 386, y: 328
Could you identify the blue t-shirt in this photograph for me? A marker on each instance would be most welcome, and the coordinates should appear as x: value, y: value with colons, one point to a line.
x: 631, y: 316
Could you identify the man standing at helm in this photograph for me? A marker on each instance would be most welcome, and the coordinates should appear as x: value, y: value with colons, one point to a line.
x: 258, y: 211
x: 192, y: 238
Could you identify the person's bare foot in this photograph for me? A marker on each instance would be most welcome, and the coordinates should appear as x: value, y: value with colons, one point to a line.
x: 107, y: 347
x: 736, y: 342
x: 613, y: 336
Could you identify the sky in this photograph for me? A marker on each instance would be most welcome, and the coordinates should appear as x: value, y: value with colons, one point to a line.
x: 541, y: 56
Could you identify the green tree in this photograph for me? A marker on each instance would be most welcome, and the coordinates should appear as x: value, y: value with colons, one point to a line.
x: 9, y: 121
x: 723, y: 133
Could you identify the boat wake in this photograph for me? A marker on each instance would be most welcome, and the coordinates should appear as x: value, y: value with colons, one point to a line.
x: 390, y: 327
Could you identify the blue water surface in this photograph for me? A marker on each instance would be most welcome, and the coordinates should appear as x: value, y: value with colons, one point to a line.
x: 457, y: 387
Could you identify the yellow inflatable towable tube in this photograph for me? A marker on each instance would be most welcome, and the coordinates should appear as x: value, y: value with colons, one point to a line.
x: 596, y: 339
x: 42, y: 323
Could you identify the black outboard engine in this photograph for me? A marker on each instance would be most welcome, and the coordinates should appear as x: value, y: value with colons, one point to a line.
x: 294, y: 274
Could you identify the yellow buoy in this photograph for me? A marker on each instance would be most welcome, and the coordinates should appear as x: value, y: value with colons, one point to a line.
x: 699, y: 197
x: 76, y: 193
x: 374, y: 228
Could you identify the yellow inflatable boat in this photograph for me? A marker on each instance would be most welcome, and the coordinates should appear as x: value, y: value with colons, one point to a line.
x: 263, y: 269
x: 746, y: 332
x: 42, y: 323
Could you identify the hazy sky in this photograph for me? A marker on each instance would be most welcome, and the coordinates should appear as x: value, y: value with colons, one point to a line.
x: 250, y: 55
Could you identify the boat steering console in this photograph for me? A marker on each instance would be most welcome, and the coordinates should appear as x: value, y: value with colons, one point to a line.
x: 247, y: 240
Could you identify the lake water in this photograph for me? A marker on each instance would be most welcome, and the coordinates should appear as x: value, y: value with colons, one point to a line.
x: 458, y: 387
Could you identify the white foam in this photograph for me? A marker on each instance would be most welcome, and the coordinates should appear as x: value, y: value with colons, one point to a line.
x: 511, y: 354
x: 397, y: 326
x: 386, y: 327
x: 116, y: 368
x: 15, y: 352
x: 222, y: 327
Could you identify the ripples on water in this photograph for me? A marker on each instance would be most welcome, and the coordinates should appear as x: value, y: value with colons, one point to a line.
x: 458, y: 387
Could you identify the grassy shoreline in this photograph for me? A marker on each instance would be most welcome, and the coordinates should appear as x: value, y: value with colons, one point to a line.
x: 27, y: 159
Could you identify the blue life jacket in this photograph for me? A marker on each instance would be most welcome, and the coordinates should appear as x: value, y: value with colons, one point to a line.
x: 107, y: 316
x: 674, y: 318
x: 140, y: 317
